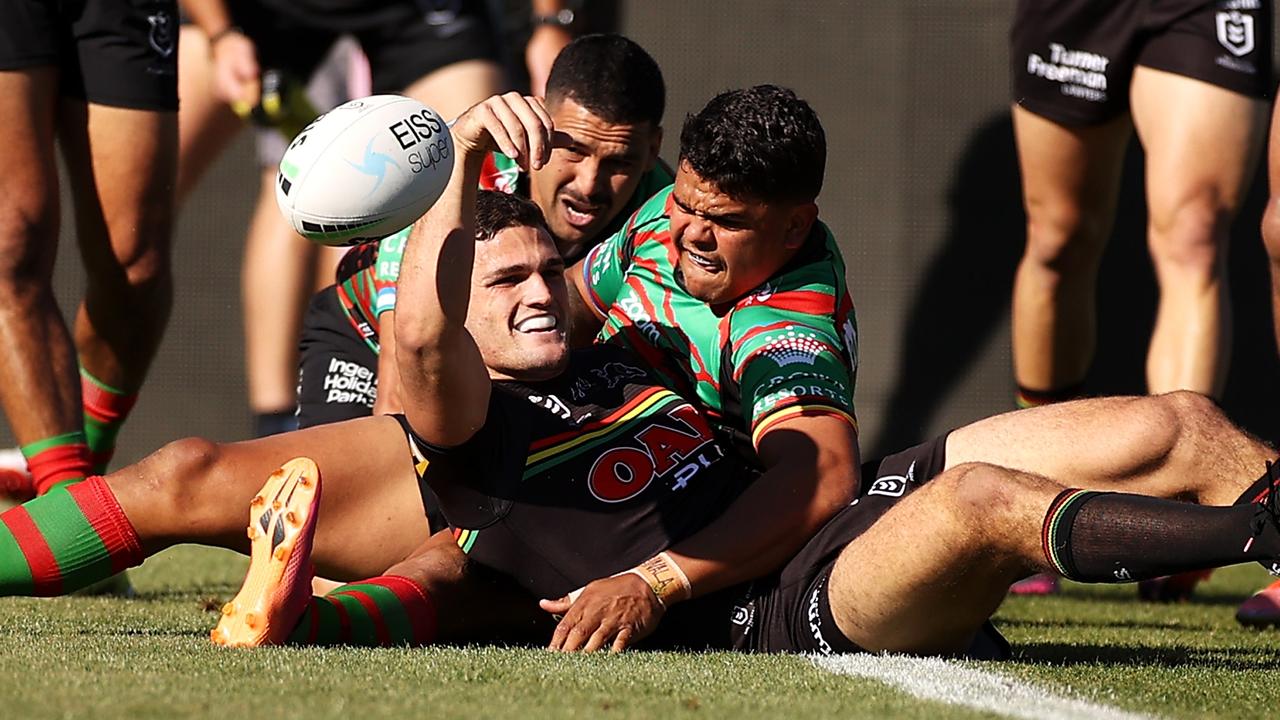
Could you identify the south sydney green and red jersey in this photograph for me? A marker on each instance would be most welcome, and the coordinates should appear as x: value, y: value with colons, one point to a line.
x: 787, y: 348
x: 621, y: 465
x: 366, y: 283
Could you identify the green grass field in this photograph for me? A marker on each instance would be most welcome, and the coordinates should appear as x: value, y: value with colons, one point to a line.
x: 150, y: 657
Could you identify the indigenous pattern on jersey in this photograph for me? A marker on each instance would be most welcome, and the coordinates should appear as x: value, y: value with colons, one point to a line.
x: 788, y: 348
x: 367, y: 282
x: 367, y: 273
x: 618, y: 465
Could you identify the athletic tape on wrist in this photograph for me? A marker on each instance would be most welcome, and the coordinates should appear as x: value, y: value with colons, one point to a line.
x: 665, y: 578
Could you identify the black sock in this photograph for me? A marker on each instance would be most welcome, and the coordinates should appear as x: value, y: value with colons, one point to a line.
x: 1258, y: 491
x: 1116, y: 537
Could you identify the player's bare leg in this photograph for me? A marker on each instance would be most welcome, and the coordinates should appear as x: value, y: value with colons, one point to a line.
x: 926, y: 575
x: 39, y: 389
x: 453, y: 88
x: 1271, y: 222
x: 371, y: 513
x: 1198, y: 167
x: 276, y: 280
x: 123, y: 224
x: 1070, y: 180
x: 206, y: 125
x: 1178, y: 445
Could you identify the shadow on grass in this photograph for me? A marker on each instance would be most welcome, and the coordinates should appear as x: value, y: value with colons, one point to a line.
x: 1178, y: 656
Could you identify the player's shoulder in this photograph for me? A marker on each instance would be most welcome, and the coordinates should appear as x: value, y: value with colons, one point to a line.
x: 811, y: 287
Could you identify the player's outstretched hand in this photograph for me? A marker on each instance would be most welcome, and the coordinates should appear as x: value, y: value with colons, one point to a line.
x: 517, y: 125
x: 613, y: 612
x: 236, y: 76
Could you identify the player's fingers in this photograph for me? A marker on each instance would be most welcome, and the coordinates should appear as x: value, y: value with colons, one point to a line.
x: 488, y: 116
x: 559, y: 606
x: 597, y: 639
x: 621, y: 640
x: 577, y: 637
x: 561, y: 633
x: 514, y: 128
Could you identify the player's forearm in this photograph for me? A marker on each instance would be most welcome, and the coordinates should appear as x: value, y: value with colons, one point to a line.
x: 434, y: 286
x: 211, y: 16
x: 806, y: 483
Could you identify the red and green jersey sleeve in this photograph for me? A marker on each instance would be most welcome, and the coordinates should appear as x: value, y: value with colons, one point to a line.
x: 794, y: 343
x: 606, y: 266
x: 789, y: 348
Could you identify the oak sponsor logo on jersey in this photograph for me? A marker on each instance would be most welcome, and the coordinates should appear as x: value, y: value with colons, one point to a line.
x: 677, y: 446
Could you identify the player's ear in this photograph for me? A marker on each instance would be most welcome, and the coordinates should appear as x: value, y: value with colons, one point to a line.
x: 655, y: 146
x: 799, y: 222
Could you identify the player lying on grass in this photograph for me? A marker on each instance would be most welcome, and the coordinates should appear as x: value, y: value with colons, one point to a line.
x: 607, y: 94
x: 916, y: 564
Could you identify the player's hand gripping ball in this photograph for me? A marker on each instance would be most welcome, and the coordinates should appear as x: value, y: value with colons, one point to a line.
x: 364, y: 170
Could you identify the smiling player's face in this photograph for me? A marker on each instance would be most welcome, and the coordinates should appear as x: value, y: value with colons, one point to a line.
x: 517, y: 309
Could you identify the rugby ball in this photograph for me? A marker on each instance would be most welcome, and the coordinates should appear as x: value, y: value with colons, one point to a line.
x: 364, y: 170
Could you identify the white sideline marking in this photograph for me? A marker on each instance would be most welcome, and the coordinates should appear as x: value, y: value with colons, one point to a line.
x: 949, y: 682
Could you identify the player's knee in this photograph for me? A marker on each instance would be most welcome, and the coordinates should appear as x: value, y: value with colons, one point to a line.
x: 1063, y: 241
x: 1271, y: 230
x: 979, y: 493
x: 1188, y: 240
x: 28, y: 236
x: 183, y: 468
x: 1181, y: 410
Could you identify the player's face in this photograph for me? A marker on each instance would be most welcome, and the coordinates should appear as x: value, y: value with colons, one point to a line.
x: 729, y: 246
x: 518, y: 300
x: 586, y: 184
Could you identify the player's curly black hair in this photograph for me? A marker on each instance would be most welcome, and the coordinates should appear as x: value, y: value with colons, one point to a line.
x: 497, y: 211
x: 762, y: 143
x: 610, y: 76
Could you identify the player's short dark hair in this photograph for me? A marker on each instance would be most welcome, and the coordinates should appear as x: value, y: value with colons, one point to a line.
x: 497, y: 211
x: 762, y: 143
x: 612, y: 77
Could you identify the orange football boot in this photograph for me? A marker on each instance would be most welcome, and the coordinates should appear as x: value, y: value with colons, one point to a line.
x: 277, y: 588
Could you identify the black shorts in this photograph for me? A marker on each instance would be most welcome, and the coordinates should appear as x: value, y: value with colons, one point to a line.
x: 1072, y: 60
x: 789, y: 611
x: 401, y: 49
x: 337, y: 370
x: 122, y: 53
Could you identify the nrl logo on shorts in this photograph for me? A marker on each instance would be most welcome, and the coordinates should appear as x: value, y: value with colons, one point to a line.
x: 889, y: 486
x: 1235, y: 32
x: 162, y: 38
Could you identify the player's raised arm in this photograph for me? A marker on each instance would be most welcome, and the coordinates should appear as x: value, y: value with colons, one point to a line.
x: 445, y: 385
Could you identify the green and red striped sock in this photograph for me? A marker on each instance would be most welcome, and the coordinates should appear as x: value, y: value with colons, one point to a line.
x: 105, y: 410
x: 387, y: 610
x: 65, y: 540
x: 58, y: 460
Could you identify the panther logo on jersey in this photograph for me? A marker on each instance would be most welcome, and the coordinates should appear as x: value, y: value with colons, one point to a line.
x: 678, y: 445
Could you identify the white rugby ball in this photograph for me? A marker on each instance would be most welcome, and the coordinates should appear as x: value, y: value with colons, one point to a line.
x: 364, y: 170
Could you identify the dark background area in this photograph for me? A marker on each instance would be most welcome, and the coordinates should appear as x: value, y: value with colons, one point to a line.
x: 921, y: 190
